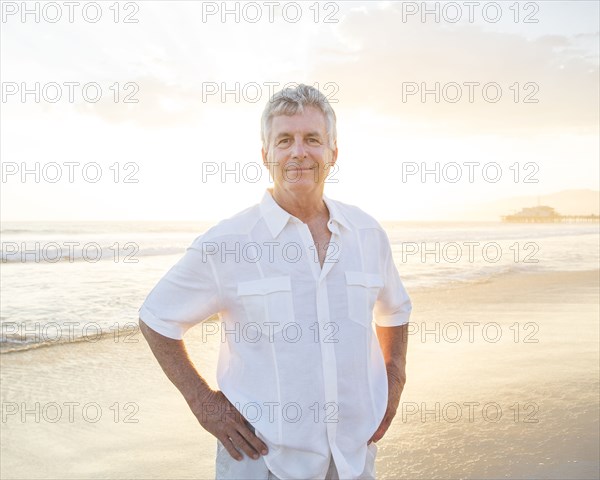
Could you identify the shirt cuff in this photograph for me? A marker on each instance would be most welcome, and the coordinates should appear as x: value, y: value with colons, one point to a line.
x: 394, y: 320
x: 171, y: 331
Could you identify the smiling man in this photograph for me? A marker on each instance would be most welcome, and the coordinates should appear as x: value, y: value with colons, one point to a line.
x: 307, y: 385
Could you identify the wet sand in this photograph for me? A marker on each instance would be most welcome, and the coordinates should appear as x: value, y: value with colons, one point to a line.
x: 503, y: 382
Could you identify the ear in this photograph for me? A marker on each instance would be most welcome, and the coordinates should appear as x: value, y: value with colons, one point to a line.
x: 334, y: 157
x: 269, y: 167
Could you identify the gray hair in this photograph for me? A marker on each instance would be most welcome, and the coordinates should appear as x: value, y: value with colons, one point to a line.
x: 291, y: 101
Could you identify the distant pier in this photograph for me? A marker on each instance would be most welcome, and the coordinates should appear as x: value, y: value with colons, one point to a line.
x: 545, y: 214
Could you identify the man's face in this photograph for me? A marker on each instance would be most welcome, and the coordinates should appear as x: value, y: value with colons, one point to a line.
x: 299, y: 157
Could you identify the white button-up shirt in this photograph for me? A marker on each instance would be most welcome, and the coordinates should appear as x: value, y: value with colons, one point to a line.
x: 299, y: 355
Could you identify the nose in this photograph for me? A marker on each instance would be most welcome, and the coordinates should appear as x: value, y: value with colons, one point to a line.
x: 298, y: 150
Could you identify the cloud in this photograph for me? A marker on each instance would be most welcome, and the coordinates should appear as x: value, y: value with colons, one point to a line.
x: 371, y: 54
x: 158, y: 104
x: 561, y: 75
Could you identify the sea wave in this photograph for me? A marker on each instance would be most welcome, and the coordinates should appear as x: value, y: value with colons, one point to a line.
x: 11, y: 343
x: 90, y: 252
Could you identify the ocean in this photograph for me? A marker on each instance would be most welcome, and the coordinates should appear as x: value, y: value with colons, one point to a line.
x: 81, y: 281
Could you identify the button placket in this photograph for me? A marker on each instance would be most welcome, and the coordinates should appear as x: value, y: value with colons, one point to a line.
x: 327, y: 348
x: 327, y: 354
x: 329, y: 365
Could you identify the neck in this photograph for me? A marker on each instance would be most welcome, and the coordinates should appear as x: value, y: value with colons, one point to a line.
x: 305, y: 207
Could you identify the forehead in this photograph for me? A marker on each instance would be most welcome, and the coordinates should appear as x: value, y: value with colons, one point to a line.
x: 310, y: 120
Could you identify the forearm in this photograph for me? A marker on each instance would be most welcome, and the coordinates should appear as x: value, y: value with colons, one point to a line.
x: 394, y: 344
x: 175, y: 362
x: 222, y: 420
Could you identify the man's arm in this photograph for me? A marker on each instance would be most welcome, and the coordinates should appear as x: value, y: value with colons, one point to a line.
x: 212, y: 409
x: 394, y: 343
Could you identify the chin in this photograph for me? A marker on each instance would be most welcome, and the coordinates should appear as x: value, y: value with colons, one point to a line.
x: 302, y: 183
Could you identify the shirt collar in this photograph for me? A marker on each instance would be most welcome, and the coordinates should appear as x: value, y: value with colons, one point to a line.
x: 335, y: 214
x: 277, y: 218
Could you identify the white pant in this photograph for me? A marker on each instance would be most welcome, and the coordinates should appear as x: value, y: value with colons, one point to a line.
x: 228, y: 468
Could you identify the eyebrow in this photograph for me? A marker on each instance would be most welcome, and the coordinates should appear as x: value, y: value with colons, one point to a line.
x: 288, y: 134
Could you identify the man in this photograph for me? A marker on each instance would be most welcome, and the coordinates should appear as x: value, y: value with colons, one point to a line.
x: 295, y: 280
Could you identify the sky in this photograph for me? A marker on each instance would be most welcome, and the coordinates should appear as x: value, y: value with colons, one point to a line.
x: 494, y: 102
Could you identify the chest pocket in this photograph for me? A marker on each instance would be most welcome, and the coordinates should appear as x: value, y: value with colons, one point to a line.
x: 268, y: 304
x: 362, y: 289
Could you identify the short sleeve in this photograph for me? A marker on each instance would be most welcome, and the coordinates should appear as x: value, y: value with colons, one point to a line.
x: 393, y: 305
x: 185, y: 296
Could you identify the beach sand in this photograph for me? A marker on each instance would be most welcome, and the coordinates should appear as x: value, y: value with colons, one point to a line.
x: 516, y: 396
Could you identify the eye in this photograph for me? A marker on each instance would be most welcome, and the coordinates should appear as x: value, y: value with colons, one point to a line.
x: 284, y: 140
x: 314, y: 140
